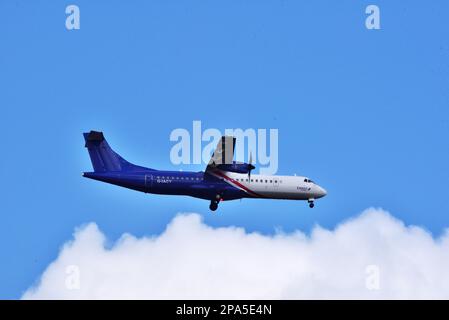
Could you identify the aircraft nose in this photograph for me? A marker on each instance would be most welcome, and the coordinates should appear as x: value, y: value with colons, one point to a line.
x: 321, y: 192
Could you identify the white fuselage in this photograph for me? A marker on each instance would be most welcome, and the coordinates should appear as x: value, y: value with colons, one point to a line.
x: 275, y: 187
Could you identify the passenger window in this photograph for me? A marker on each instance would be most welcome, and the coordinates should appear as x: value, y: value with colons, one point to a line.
x: 275, y: 181
x: 271, y: 181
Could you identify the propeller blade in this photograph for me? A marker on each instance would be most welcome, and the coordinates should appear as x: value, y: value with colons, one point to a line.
x: 250, y: 165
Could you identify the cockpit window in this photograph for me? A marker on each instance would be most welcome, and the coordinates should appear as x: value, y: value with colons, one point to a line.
x: 308, y: 180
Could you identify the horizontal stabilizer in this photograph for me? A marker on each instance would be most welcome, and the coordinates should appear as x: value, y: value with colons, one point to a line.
x: 93, y: 136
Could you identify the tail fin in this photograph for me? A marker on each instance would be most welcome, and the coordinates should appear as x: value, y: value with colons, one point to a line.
x: 103, y: 157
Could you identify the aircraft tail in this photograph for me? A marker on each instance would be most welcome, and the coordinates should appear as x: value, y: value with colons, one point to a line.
x: 103, y: 158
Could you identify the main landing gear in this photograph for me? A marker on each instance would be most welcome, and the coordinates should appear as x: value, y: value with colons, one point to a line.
x: 311, y: 204
x: 213, y: 205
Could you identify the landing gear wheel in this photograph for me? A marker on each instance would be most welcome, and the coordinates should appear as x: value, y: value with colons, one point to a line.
x: 213, y: 205
x: 311, y: 204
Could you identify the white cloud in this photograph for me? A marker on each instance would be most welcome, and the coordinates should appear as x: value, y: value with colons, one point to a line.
x: 193, y: 260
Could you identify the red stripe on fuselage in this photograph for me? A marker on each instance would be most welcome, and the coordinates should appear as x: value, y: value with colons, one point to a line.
x: 239, y: 184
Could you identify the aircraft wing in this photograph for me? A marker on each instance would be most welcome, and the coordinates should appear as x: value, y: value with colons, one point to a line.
x: 224, y: 152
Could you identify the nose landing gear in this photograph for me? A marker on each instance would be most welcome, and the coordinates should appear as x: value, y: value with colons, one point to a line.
x: 311, y: 204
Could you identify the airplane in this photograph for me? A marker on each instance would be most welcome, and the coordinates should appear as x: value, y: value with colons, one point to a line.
x: 223, y: 179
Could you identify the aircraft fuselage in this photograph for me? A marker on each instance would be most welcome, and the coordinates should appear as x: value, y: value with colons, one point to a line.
x: 217, y: 184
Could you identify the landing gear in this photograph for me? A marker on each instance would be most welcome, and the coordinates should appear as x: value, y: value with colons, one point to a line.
x: 311, y: 204
x: 213, y: 205
x: 214, y: 202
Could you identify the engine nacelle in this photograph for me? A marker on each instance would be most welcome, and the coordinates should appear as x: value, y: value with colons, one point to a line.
x: 237, y: 167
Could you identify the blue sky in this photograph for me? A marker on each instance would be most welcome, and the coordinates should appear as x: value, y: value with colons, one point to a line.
x: 362, y: 112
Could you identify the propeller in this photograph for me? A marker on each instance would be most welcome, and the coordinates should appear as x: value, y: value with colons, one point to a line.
x: 250, y: 165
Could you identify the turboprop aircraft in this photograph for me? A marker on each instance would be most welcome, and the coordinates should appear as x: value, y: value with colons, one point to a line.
x: 223, y: 179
